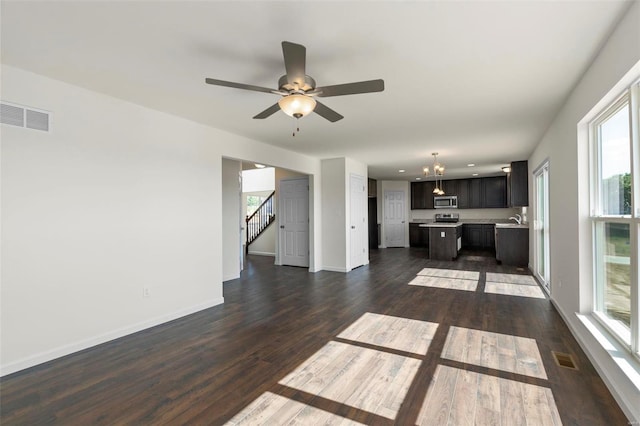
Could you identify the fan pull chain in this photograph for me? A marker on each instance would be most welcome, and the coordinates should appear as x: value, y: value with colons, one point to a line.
x: 297, y: 128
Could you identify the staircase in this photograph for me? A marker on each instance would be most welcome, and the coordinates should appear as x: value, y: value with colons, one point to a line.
x: 259, y: 220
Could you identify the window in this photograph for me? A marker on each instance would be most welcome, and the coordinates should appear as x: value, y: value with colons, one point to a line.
x: 253, y: 202
x: 615, y: 217
x: 541, y: 224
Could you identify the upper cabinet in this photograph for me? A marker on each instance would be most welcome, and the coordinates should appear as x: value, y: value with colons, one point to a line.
x: 519, y: 184
x: 495, y: 191
x: 422, y: 195
x: 477, y: 193
x: 372, y: 188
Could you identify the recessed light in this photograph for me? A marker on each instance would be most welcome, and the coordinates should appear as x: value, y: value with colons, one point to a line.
x: 260, y: 166
x: 418, y: 178
x: 401, y: 171
x: 470, y: 165
x: 475, y: 174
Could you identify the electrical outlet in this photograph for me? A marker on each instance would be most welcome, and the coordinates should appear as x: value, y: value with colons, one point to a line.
x: 442, y: 234
x: 146, y: 291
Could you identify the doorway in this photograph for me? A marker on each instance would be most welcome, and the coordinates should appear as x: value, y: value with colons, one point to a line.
x: 541, y: 256
x: 293, y: 221
x: 358, y: 230
x: 394, y: 218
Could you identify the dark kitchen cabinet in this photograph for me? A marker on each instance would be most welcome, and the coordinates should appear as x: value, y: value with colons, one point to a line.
x: 450, y: 187
x: 418, y: 196
x: 443, y: 243
x: 478, y: 236
x: 494, y: 192
x: 519, y: 184
x: 422, y: 195
x: 372, y: 188
x: 489, y: 237
x: 475, y: 193
x: 512, y: 246
x: 472, y: 236
x: 418, y: 236
x: 463, y: 193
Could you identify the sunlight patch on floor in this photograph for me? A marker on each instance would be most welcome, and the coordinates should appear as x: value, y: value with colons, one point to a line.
x: 521, y: 290
x: 447, y: 283
x: 511, y: 279
x: 461, y: 397
x: 494, y: 350
x: 391, y: 332
x: 272, y: 409
x: 450, y: 273
x: 367, y: 379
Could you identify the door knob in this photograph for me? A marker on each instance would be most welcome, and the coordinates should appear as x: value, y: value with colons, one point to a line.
x: 281, y: 226
x: 353, y: 227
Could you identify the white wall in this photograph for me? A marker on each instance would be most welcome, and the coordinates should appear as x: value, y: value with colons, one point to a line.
x: 569, y: 207
x: 256, y: 180
x: 231, y: 219
x: 336, y: 211
x: 116, y: 198
x: 334, y: 215
x: 393, y: 185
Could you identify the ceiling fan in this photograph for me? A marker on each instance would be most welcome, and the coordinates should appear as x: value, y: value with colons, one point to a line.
x: 298, y: 90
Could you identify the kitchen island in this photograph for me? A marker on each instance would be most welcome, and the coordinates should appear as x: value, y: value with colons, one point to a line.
x: 445, y: 240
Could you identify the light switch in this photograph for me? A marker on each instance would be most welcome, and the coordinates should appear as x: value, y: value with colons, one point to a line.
x: 442, y: 234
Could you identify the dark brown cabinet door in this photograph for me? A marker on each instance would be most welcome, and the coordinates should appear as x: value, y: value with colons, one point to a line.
x: 418, y: 199
x: 418, y: 236
x: 489, y: 237
x: 450, y: 187
x: 519, y: 184
x: 495, y: 191
x: 475, y: 193
x: 429, y: 187
x: 463, y: 193
x: 372, y: 188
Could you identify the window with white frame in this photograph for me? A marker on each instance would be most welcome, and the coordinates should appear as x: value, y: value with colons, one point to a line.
x: 615, y: 216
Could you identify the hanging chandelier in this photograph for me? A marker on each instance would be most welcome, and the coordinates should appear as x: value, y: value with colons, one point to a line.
x: 438, y: 172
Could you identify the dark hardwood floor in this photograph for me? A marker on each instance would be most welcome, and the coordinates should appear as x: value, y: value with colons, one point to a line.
x: 207, y: 367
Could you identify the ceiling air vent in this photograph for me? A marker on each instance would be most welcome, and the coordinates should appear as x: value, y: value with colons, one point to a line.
x: 16, y: 115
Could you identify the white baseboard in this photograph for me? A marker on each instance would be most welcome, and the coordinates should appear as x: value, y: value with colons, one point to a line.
x: 332, y: 269
x: 620, y: 399
x: 70, y: 348
x: 262, y: 253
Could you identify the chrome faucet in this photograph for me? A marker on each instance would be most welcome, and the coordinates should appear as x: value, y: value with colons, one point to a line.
x: 518, y: 219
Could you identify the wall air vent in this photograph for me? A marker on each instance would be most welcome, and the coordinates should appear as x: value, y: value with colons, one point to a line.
x: 16, y: 115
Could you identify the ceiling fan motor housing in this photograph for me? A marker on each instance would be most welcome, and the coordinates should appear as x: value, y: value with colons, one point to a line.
x: 308, y: 84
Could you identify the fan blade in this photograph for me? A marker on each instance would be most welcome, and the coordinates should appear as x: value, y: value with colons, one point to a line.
x: 269, y: 111
x: 326, y: 112
x: 351, y: 88
x: 239, y: 85
x: 295, y: 59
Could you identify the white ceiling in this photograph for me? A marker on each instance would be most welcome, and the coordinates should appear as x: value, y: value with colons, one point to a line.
x: 477, y: 81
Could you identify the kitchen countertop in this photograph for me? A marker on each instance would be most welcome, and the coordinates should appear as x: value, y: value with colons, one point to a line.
x: 440, y: 225
x: 498, y: 222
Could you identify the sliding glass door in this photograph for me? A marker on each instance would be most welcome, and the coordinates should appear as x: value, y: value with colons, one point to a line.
x: 541, y: 224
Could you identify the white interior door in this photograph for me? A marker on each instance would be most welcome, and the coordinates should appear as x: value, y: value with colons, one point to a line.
x: 358, y: 231
x: 293, y: 220
x: 394, y: 220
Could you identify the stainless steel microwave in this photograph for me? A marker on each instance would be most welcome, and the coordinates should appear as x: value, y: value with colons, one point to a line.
x: 445, y: 202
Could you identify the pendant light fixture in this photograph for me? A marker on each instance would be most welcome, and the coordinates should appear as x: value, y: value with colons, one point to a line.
x: 438, y: 172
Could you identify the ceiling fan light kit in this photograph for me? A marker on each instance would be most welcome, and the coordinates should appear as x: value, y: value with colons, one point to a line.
x: 297, y: 105
x: 298, y: 89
